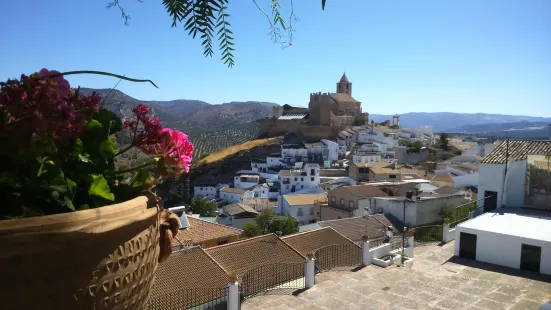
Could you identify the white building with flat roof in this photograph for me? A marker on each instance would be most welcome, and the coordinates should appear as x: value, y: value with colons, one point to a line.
x: 516, y: 238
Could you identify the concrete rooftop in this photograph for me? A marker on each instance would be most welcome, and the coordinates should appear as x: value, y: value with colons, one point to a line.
x: 525, y: 223
x: 436, y: 281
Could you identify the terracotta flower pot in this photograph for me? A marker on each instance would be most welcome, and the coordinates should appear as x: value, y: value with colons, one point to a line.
x: 102, y: 258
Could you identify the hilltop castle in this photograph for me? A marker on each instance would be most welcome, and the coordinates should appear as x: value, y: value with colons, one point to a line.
x: 327, y: 114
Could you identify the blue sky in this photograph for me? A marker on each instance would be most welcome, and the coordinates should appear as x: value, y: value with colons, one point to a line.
x: 491, y: 56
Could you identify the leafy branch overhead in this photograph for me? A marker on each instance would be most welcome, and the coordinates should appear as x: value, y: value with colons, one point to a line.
x: 198, y: 18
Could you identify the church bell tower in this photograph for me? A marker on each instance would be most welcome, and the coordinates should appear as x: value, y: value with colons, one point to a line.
x: 344, y: 86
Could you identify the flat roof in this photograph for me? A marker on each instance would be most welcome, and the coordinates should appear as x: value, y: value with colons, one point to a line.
x: 526, y: 223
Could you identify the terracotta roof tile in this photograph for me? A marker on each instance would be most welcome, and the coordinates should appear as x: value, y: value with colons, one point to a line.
x: 304, y: 199
x: 355, y: 227
x: 310, y: 241
x: 200, y: 231
x: 446, y: 190
x: 233, y: 190
x: 344, y: 79
x: 444, y: 177
x: 186, y: 271
x: 360, y: 191
x: 517, y: 150
x: 260, y: 203
x: 243, y: 255
x: 239, y: 208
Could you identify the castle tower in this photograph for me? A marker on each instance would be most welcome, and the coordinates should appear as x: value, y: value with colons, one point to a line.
x: 396, y: 121
x: 344, y: 86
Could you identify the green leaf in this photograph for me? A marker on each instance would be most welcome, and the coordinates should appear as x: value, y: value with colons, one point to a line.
x: 84, y: 207
x: 109, y: 121
x: 68, y: 203
x: 71, y: 187
x: 78, y: 147
x: 142, y: 181
x: 108, y: 148
x: 84, y: 158
x: 99, y: 188
x: 9, y: 179
x: 323, y: 4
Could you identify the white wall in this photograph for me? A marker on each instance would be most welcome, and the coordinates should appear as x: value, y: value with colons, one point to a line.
x: 333, y: 148
x: 259, y: 167
x: 231, y: 197
x: 462, y: 181
x: 366, y: 158
x: 490, y: 178
x: 503, y: 250
x: 208, y: 192
x: 396, y: 208
x: 274, y: 162
x: 235, y: 222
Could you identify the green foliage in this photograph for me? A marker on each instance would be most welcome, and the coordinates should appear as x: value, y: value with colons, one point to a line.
x: 198, y: 18
x: 270, y: 223
x: 251, y: 229
x: 451, y: 214
x: 202, y: 206
x: 204, y: 155
x: 414, y: 147
x: 444, y: 142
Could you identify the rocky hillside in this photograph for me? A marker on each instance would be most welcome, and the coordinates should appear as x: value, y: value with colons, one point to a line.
x: 210, y: 127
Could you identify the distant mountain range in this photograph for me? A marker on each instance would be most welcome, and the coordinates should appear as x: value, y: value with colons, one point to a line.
x: 213, y: 127
x: 210, y: 127
x: 482, y: 123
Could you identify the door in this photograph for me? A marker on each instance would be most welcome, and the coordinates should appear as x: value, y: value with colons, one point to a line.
x: 490, y: 201
x: 530, y: 258
x: 467, y: 245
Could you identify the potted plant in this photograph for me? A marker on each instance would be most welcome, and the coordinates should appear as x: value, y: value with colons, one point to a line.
x: 78, y: 231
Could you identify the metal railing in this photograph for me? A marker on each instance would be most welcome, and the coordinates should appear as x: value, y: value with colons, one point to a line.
x: 428, y: 234
x: 190, y: 298
x: 373, y: 243
x: 337, y: 256
x: 271, y: 277
x: 396, y: 244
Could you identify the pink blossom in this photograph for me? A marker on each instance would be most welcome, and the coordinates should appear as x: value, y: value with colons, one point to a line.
x: 141, y: 110
x: 175, y: 149
x: 62, y: 84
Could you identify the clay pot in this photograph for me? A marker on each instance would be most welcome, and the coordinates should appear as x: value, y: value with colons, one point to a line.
x: 102, y: 258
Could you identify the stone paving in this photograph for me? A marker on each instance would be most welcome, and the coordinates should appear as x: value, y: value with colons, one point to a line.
x: 437, y: 281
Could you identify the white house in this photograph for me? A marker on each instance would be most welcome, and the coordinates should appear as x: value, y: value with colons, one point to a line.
x: 418, y: 212
x: 236, y: 215
x: 504, y: 176
x: 245, y: 181
x: 259, y: 165
x: 208, y: 191
x: 297, y: 179
x: 301, y: 206
x: 515, y: 237
x: 292, y: 153
x: 232, y: 195
x: 333, y: 149
x: 261, y: 191
x: 274, y: 161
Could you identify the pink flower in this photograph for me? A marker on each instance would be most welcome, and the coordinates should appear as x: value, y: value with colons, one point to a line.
x: 62, y: 84
x: 175, y: 149
x: 141, y: 110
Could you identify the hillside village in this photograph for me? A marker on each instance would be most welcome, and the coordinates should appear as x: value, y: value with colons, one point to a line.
x: 363, y: 170
x: 368, y: 195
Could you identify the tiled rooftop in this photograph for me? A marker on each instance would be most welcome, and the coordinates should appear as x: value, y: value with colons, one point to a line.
x: 239, y: 208
x: 355, y: 227
x: 310, y: 241
x: 240, y: 256
x: 181, y: 272
x: 517, y: 150
x: 307, y: 199
x: 232, y: 190
x: 200, y: 231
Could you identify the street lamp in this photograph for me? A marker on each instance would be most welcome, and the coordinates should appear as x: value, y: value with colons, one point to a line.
x: 407, y: 202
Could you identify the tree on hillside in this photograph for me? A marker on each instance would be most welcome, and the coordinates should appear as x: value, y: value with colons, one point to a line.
x: 444, y: 142
x: 209, y: 20
x: 264, y: 218
x: 202, y: 206
x: 251, y: 229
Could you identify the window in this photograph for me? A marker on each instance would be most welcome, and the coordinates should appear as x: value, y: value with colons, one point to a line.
x: 302, y: 179
x: 201, y: 188
x: 296, y: 179
x: 333, y: 199
x: 351, y: 204
x: 222, y: 242
x: 342, y: 201
x: 363, y: 170
x: 392, y: 176
x: 299, y: 212
x: 312, y: 211
x: 312, y: 179
x: 312, y: 172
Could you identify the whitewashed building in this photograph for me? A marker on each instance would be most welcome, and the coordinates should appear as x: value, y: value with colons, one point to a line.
x: 259, y: 165
x: 246, y: 181
x: 208, y: 191
x: 297, y: 179
x: 232, y: 195
x: 236, y: 215
x: 301, y: 206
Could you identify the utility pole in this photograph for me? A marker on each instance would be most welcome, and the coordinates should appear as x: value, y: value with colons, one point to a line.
x: 409, y: 198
